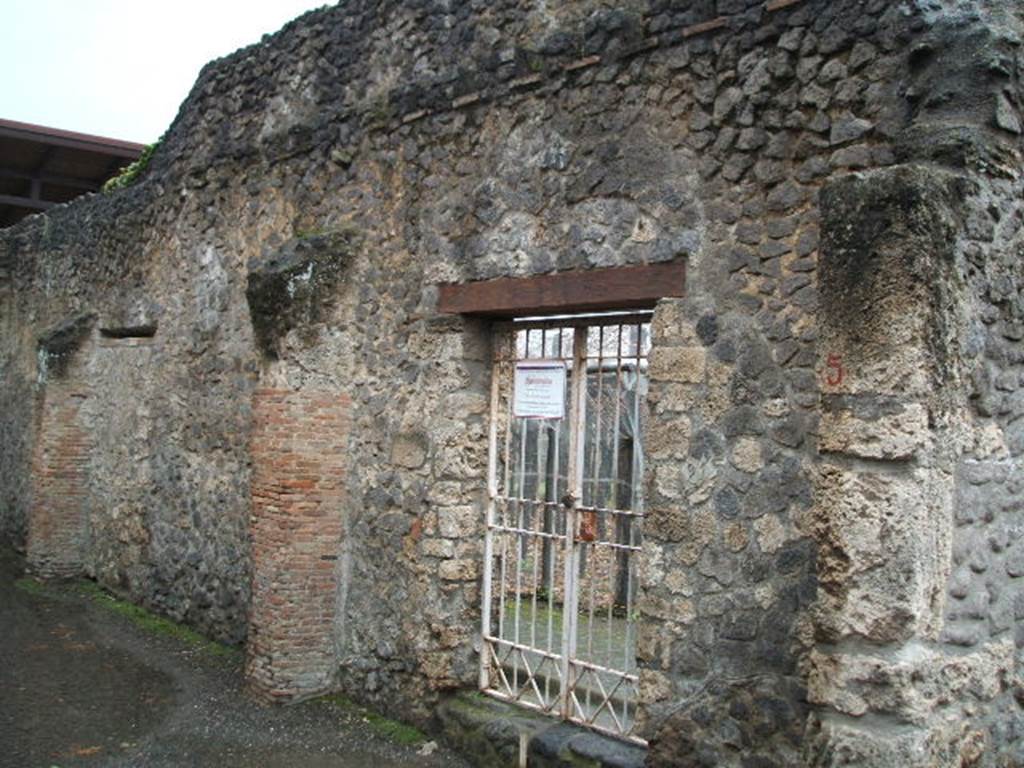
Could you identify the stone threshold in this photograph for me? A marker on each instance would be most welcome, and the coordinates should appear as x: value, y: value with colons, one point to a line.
x: 492, y: 734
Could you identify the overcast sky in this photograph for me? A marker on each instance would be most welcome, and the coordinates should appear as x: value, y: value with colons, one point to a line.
x: 120, y: 68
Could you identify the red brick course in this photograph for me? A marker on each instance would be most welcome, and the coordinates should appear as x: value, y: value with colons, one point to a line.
x: 298, y: 486
x: 58, y: 526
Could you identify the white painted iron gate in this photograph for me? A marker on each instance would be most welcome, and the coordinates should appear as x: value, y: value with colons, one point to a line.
x: 564, y: 518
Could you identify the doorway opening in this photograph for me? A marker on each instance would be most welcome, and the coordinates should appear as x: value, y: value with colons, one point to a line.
x: 565, y: 517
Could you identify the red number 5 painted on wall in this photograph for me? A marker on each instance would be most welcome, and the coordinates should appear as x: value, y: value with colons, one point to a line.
x: 834, y: 371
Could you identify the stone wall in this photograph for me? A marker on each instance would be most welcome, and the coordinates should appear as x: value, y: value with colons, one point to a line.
x: 834, y: 448
x: 16, y: 423
x: 168, y: 391
x: 984, y: 605
x: 917, y: 662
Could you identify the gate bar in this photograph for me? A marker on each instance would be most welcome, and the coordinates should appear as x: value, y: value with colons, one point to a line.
x: 577, y: 416
x: 492, y: 492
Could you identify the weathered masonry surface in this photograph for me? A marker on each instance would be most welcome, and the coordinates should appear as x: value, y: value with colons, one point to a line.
x: 228, y: 391
x: 299, y: 451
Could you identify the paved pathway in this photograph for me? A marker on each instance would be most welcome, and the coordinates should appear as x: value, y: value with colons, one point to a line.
x: 82, y: 686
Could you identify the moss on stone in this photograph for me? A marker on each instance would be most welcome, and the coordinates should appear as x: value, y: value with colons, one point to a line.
x: 392, y: 730
x: 293, y: 287
x: 58, y: 345
x: 32, y: 587
x: 140, y: 617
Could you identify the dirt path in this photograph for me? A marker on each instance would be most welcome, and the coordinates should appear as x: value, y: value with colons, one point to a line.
x: 82, y: 686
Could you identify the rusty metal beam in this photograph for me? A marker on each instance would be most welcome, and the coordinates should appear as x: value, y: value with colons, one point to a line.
x: 634, y: 287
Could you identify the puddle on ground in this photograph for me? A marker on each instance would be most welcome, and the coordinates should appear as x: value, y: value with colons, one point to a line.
x: 66, y: 698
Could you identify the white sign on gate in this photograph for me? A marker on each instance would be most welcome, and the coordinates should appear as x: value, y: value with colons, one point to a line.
x: 539, y: 390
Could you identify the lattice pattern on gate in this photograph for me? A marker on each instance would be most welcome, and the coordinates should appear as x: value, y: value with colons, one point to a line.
x: 558, y: 623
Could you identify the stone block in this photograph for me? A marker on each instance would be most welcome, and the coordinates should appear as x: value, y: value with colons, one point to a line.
x: 898, y: 436
x: 459, y: 522
x: 684, y: 365
x: 447, y: 493
x: 855, y: 685
x: 834, y: 744
x: 409, y: 450
x: 883, y: 541
x: 770, y: 532
x: 459, y: 570
x: 885, y: 274
x: 439, y: 548
x: 747, y: 454
x: 911, y: 687
x: 668, y: 438
x: 691, y: 530
x: 735, y: 537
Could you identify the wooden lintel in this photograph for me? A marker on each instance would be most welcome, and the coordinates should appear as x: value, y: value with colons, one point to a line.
x: 706, y: 26
x: 525, y: 81
x: 592, y: 290
x: 412, y: 117
x: 778, y: 5
x: 466, y: 100
x: 589, y: 61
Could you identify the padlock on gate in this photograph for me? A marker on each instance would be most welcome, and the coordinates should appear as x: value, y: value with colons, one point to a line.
x: 588, y: 525
x: 587, y: 530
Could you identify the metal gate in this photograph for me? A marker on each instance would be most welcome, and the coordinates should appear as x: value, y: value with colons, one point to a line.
x: 564, y: 518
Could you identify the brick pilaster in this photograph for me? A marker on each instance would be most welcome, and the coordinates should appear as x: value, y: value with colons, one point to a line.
x: 298, y: 480
x: 58, y: 527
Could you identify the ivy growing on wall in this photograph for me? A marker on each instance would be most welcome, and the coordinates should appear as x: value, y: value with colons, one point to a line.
x: 131, y: 172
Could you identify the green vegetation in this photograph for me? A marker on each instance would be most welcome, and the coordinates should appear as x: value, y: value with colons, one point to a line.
x: 131, y: 172
x: 32, y: 586
x: 523, y: 609
x: 140, y: 617
x: 600, y: 640
x: 392, y: 730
